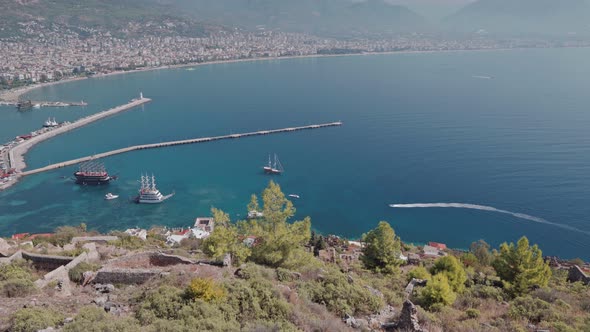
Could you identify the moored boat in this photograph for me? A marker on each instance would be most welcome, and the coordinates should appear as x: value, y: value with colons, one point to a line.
x: 273, y: 166
x: 92, y: 173
x: 110, y: 196
x: 148, y: 193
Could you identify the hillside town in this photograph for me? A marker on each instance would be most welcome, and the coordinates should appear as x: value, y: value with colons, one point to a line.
x: 45, y: 54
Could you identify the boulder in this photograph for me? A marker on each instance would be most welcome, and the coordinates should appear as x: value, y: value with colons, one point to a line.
x: 408, y: 320
x: 104, y: 289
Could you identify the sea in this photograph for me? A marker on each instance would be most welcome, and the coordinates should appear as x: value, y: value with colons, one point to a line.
x: 450, y: 147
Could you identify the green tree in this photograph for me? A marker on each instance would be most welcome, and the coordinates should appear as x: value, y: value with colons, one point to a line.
x: 521, y: 266
x: 481, y: 250
x: 382, y: 249
x: 437, y: 292
x: 419, y: 272
x: 225, y: 240
x: 220, y: 217
x: 253, y: 205
x: 276, y: 208
x: 280, y: 243
x: 453, y: 270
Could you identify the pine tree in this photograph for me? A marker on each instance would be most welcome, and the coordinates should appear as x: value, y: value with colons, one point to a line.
x: 382, y: 249
x: 521, y: 266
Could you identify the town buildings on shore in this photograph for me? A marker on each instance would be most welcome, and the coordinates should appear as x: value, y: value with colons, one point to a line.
x: 41, y: 54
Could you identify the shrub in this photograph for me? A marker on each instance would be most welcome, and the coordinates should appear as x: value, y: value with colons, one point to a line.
x: 534, y: 310
x: 451, y: 268
x: 76, y: 273
x: 204, y: 289
x: 419, y: 272
x: 472, y: 313
x: 487, y: 292
x: 285, y: 275
x: 94, y: 319
x: 33, y: 319
x: 256, y: 299
x: 17, y: 288
x: 129, y: 242
x: 341, y: 296
x: 437, y: 293
x: 18, y: 269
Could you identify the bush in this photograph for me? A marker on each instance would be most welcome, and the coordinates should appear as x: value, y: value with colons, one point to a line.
x: 76, y: 273
x: 341, y: 296
x: 16, y: 279
x: 487, y: 292
x: 256, y: 299
x: 94, y: 319
x: 285, y: 275
x: 204, y: 289
x: 437, y: 293
x: 18, y: 269
x: 419, y: 272
x: 17, y: 288
x: 472, y: 313
x: 33, y: 319
x: 129, y: 242
x: 534, y: 310
x: 451, y: 268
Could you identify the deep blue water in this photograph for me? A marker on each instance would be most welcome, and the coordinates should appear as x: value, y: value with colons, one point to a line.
x: 418, y: 128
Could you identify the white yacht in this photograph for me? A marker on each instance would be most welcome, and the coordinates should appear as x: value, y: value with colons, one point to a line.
x: 50, y: 123
x: 294, y: 195
x: 110, y: 196
x: 148, y: 193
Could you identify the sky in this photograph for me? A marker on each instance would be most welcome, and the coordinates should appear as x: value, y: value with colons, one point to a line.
x: 433, y: 9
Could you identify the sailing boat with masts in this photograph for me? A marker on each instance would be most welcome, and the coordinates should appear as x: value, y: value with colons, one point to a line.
x: 273, y: 166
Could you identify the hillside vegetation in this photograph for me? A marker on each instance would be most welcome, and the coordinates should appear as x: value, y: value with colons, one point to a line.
x: 291, y: 279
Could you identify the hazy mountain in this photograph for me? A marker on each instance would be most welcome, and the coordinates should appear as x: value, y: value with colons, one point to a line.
x: 118, y: 16
x: 523, y: 17
x: 332, y: 17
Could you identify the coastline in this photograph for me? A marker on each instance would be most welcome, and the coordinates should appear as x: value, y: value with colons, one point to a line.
x: 13, y: 95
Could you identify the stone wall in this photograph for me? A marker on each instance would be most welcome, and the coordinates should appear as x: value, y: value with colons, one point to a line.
x: 125, y: 276
x: 159, y: 259
x: 8, y: 260
x: 102, y: 239
x: 576, y: 274
x: 47, y: 262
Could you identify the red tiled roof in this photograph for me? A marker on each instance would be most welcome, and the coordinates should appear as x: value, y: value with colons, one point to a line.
x: 19, y: 236
x: 440, y: 246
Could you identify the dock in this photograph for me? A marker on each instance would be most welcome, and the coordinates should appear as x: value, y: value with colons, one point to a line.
x: 16, y: 153
x: 175, y: 143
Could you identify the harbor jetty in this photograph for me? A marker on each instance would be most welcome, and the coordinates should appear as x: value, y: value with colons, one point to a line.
x: 14, y: 157
x: 174, y: 143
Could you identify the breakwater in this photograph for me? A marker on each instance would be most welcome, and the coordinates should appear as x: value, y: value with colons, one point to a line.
x: 15, y: 154
x: 174, y: 143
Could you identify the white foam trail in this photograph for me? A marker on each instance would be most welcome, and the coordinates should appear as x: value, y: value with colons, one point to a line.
x: 487, y: 208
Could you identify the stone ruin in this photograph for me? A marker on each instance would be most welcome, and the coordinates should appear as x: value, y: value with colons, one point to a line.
x: 408, y: 320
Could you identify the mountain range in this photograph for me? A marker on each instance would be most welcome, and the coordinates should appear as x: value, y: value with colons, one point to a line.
x: 518, y: 17
x: 340, y: 18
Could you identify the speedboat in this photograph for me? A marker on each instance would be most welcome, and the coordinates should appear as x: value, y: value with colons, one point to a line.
x: 293, y: 195
x: 110, y: 196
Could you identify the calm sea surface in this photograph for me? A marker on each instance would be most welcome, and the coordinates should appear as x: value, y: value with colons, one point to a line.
x: 506, y: 129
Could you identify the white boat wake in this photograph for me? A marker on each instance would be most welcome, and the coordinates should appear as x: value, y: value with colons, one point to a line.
x: 487, y: 208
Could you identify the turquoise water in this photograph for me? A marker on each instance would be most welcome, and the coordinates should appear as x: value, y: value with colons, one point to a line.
x: 418, y: 128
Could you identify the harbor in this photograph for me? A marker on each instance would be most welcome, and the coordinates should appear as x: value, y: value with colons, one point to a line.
x: 12, y: 153
x: 175, y: 143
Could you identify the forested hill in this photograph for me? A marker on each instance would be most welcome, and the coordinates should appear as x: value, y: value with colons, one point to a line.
x: 124, y: 17
x: 321, y: 17
x: 518, y: 17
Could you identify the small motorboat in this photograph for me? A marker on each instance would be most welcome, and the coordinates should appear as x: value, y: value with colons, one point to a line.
x: 293, y: 195
x: 110, y: 196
